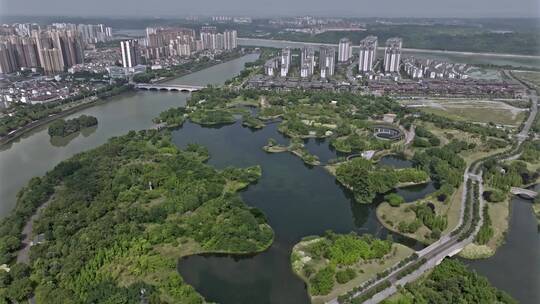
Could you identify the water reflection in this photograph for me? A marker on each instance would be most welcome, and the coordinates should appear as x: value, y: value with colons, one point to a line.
x: 62, y: 141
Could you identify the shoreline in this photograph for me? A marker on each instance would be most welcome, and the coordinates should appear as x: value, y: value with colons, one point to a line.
x: 10, y: 138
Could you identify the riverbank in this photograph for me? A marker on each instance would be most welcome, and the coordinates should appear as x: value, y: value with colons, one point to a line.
x: 38, y: 123
x: 392, y: 218
x: 217, y: 221
x: 92, y: 101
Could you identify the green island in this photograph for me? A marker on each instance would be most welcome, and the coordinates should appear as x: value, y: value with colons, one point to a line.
x: 449, y: 281
x: 23, y: 115
x: 366, y: 180
x: 296, y: 147
x: 172, y: 118
x: 118, y: 217
x: 441, y: 150
x: 64, y: 128
x: 334, y: 264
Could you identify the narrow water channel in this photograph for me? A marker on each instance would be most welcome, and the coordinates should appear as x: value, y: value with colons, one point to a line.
x: 515, y: 267
x: 298, y: 201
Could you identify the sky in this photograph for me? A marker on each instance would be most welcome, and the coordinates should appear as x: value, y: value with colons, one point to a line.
x: 345, y: 8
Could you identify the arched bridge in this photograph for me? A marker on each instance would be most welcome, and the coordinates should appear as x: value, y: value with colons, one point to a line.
x: 523, y: 192
x: 186, y: 88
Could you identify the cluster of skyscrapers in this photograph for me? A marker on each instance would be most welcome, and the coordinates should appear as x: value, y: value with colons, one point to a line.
x: 307, y: 62
x: 166, y: 42
x: 392, y: 55
x: 90, y: 33
x: 212, y: 40
x: 368, y: 53
x: 54, y: 49
x: 367, y: 57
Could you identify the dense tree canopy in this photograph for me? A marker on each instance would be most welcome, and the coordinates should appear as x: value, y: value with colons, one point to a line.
x: 120, y: 216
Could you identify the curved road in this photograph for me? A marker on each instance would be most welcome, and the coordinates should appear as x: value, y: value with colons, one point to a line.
x: 449, y: 245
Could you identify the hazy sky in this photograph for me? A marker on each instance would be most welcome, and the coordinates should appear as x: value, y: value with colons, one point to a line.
x: 359, y: 8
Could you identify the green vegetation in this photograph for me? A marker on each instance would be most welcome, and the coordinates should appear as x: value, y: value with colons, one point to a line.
x: 344, y: 276
x: 212, y: 117
x: 336, y: 263
x: 63, y: 127
x: 506, y: 175
x: 252, y: 122
x: 426, y: 214
x: 19, y: 115
x: 394, y: 199
x: 172, y: 118
x: 447, y: 123
x: 486, y: 231
x: 296, y: 147
x: 323, y: 281
x: 118, y: 218
x: 367, y: 180
x: 433, y: 37
x: 425, y: 138
x: 495, y: 196
x: 449, y: 282
x: 444, y: 164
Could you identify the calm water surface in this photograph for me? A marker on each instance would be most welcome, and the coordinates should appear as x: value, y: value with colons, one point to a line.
x: 298, y: 200
x: 36, y: 153
x: 515, y: 267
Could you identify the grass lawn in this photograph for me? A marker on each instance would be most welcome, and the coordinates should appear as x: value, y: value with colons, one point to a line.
x: 390, y: 216
x: 479, y: 111
x: 365, y: 270
x: 240, y: 101
x: 481, y: 150
x: 533, y: 77
x: 481, y: 115
x: 499, y: 214
x: 370, y: 270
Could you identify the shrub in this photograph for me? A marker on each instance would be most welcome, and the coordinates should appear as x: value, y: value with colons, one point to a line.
x: 344, y: 276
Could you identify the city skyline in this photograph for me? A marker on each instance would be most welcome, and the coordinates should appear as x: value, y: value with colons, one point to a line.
x: 345, y: 8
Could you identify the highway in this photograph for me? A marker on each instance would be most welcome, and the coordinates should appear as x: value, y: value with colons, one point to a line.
x: 449, y: 245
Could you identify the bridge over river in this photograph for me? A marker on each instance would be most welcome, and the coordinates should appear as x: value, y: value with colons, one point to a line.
x: 185, y: 88
x: 524, y: 192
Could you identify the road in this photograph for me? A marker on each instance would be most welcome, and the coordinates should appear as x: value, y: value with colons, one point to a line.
x: 350, y: 73
x: 449, y: 245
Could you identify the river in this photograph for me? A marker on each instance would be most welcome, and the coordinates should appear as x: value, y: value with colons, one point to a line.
x: 298, y: 200
x: 458, y: 57
x: 35, y: 153
x: 515, y: 267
